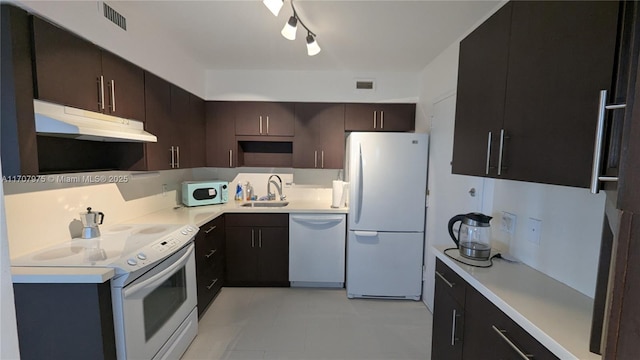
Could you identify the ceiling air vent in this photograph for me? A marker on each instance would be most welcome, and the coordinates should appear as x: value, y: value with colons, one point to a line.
x: 364, y: 84
x: 114, y: 16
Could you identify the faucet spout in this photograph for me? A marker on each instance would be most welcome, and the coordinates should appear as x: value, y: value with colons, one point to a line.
x: 278, y: 185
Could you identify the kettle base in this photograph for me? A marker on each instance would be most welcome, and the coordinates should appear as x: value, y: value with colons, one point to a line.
x: 475, y: 251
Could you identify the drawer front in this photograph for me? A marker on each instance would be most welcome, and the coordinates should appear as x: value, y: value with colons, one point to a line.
x: 451, y: 282
x: 210, y: 281
x: 262, y: 220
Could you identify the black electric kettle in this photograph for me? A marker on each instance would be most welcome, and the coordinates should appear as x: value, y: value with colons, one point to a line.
x: 474, y: 235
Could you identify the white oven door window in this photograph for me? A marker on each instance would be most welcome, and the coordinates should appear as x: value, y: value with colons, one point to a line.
x: 157, y: 303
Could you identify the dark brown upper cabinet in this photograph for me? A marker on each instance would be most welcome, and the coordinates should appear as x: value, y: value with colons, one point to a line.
x: 380, y: 117
x: 221, y: 145
x: 528, y: 104
x: 319, y: 136
x: 196, y: 133
x: 160, y: 155
x: 74, y: 72
x: 264, y: 118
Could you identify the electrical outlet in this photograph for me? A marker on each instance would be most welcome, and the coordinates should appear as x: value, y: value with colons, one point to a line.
x: 534, y: 229
x: 508, y: 222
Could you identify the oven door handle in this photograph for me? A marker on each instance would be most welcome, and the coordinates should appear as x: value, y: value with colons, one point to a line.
x: 160, y: 277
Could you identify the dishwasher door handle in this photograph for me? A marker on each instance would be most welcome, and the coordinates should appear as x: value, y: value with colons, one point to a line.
x: 317, y: 220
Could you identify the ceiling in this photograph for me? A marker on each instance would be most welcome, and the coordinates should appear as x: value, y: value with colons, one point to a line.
x: 354, y: 35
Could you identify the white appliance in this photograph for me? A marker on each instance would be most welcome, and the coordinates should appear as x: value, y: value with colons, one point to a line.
x: 154, y: 287
x: 387, y: 193
x: 317, y: 250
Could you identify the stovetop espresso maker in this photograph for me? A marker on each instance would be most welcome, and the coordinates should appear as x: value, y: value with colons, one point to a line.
x: 90, y: 221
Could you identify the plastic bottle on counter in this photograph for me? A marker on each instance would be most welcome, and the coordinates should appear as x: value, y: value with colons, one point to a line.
x: 249, y: 192
x: 238, y: 192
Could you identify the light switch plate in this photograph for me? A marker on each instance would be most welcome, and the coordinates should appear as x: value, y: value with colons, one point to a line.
x: 508, y: 222
x: 534, y: 230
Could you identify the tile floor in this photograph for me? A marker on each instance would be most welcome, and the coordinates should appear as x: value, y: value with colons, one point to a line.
x: 310, y: 324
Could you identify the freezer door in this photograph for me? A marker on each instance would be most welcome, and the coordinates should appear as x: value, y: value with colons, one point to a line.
x: 384, y: 265
x: 388, y: 181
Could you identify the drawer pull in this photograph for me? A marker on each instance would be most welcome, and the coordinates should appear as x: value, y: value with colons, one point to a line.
x: 211, y: 253
x: 445, y: 280
x: 212, y: 284
x: 513, y: 346
x: 210, y: 229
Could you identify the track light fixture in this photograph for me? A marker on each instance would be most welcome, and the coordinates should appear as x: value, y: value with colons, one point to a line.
x: 290, y: 28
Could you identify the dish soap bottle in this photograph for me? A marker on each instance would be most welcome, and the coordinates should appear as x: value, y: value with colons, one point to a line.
x: 239, y: 192
x: 249, y: 191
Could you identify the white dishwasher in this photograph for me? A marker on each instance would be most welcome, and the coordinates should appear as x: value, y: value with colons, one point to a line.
x: 317, y: 250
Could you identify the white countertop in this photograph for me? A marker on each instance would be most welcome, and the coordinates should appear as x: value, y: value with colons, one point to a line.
x: 198, y: 215
x: 558, y: 316
x: 66, y: 275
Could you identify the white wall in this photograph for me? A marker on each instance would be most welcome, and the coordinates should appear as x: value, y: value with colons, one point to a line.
x: 322, y: 86
x: 571, y: 218
x: 143, y: 44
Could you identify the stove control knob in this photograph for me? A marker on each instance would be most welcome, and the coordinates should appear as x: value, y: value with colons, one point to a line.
x: 141, y: 256
x: 183, y: 232
x: 190, y: 229
x: 132, y: 262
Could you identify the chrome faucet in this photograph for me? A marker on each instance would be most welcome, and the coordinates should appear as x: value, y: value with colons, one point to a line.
x: 270, y: 195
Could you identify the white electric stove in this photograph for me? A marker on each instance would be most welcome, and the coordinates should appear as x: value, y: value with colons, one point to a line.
x: 154, y: 287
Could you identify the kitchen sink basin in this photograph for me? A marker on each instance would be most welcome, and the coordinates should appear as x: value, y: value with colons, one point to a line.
x: 266, y: 204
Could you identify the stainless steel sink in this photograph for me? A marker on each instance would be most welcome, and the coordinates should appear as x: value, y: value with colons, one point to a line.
x: 267, y: 203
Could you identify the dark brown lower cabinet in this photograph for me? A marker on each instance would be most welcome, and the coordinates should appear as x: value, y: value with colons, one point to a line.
x: 65, y: 321
x: 466, y: 325
x: 210, y: 262
x: 257, y: 249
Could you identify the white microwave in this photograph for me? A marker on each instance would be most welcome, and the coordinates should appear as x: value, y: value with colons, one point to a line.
x: 196, y: 193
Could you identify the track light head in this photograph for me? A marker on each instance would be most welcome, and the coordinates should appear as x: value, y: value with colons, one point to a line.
x: 289, y: 30
x: 274, y: 6
x: 312, y: 45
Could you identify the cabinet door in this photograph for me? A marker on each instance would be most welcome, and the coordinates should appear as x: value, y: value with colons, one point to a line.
x: 264, y: 118
x: 197, y: 133
x: 561, y: 54
x: 157, y: 95
x: 448, y: 325
x: 396, y: 117
x: 319, y: 136
x: 359, y: 117
x: 180, y: 124
x: 490, y: 334
x: 123, y: 86
x: 210, y: 261
x: 482, y: 76
x: 273, y: 263
x: 241, y: 255
x: 67, y: 67
x: 221, y: 145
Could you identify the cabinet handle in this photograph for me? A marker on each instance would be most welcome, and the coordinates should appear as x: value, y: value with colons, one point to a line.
x: 210, y: 254
x: 101, y: 100
x: 267, y: 124
x: 212, y: 283
x: 260, y: 124
x: 230, y: 158
x: 502, y: 137
x: 177, y: 157
x: 322, y: 159
x: 253, y: 241
x: 260, y: 238
x: 173, y: 158
x: 486, y: 171
x: 381, y: 119
x: 375, y: 119
x: 210, y: 229
x: 315, y: 159
x: 597, y: 147
x: 453, y: 327
x: 113, y: 96
x: 445, y: 280
x: 513, y: 346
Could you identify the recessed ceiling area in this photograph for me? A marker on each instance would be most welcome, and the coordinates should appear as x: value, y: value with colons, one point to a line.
x: 376, y: 36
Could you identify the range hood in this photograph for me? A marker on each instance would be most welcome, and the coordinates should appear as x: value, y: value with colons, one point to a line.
x: 64, y: 121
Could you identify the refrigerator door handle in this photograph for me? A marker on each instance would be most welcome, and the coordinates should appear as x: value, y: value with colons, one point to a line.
x: 358, y: 185
x: 366, y: 233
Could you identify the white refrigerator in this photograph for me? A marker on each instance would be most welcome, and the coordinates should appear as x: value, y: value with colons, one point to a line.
x: 387, y: 174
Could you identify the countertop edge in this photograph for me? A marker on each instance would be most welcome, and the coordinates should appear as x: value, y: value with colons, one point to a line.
x: 66, y: 275
x: 549, y: 342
